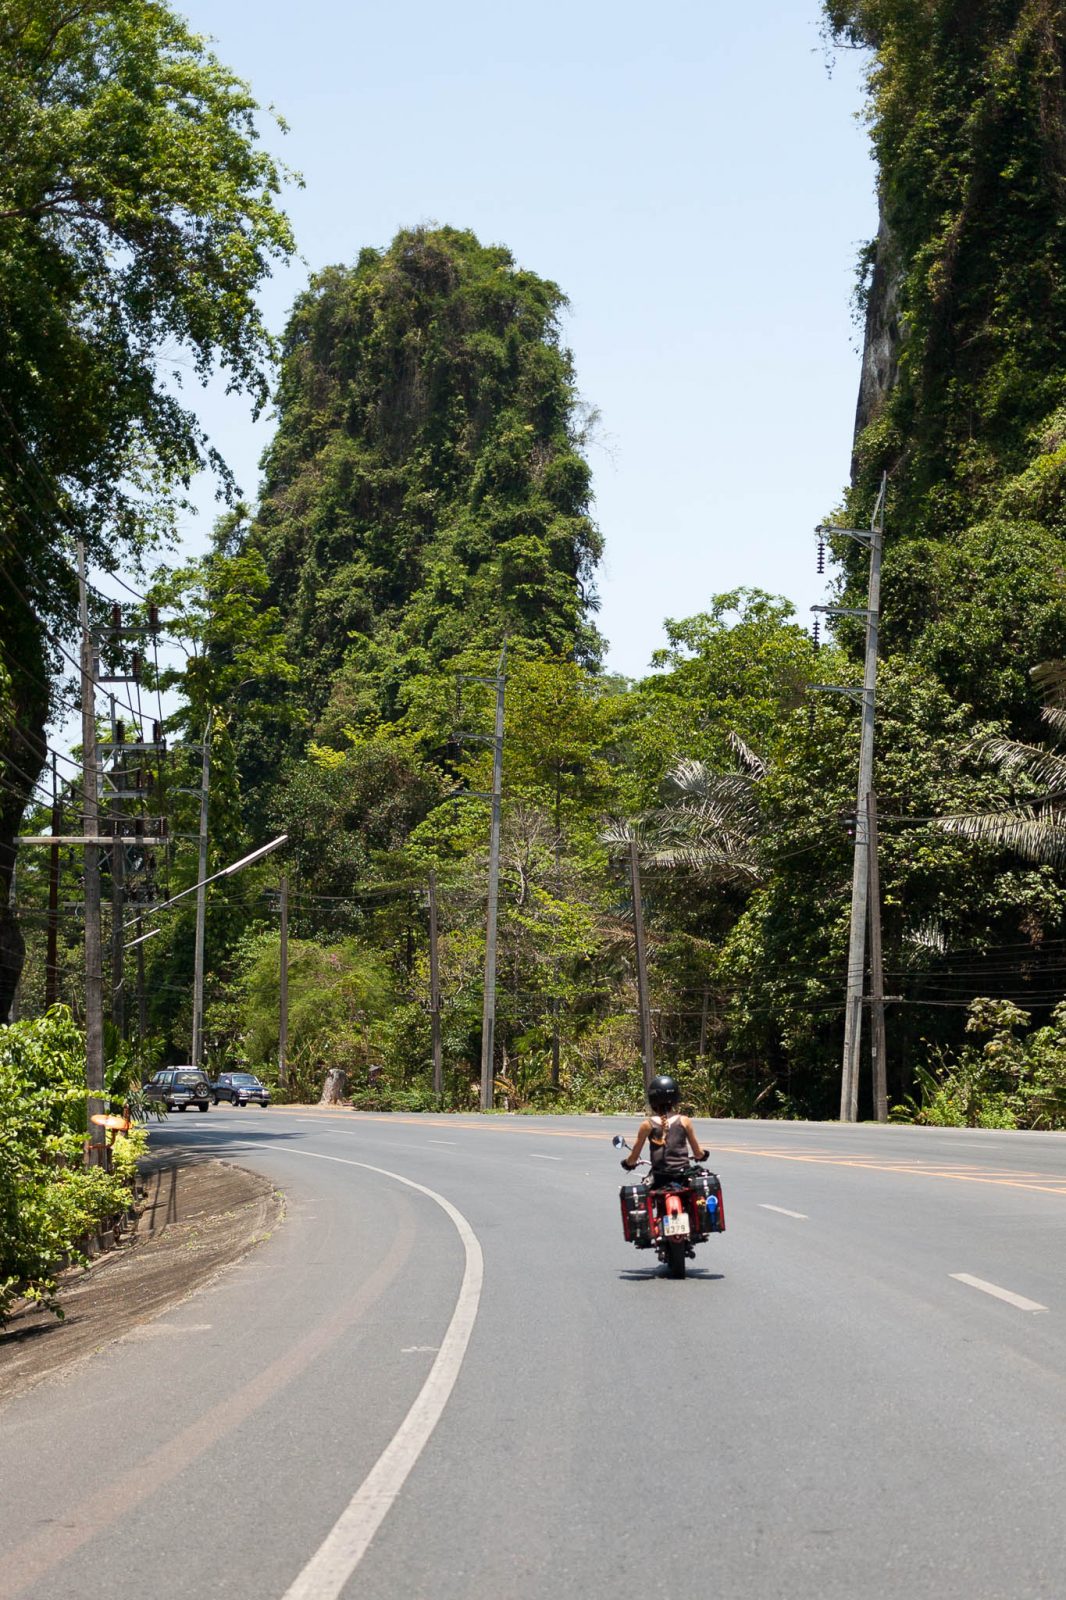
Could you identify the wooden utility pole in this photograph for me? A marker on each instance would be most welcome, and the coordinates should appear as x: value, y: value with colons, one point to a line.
x: 646, y: 1047
x: 488, y: 1015
x: 283, y: 984
x: 51, y: 965
x: 94, y: 974
x: 196, y: 1054
x: 434, y: 989
x: 878, y: 1056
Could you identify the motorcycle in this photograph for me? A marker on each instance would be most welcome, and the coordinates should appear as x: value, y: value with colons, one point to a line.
x: 672, y: 1217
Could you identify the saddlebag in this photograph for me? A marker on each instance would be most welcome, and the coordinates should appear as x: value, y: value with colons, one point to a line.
x: 635, y: 1224
x: 708, y: 1213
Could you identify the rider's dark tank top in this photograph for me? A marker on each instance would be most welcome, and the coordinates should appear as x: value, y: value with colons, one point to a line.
x: 669, y: 1144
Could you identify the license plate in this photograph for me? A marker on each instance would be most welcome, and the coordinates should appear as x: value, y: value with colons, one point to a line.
x: 676, y: 1227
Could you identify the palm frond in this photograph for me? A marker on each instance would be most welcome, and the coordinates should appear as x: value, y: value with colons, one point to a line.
x: 1042, y: 766
x: 929, y: 937
x: 707, y: 824
x: 1035, y: 833
x: 752, y: 764
x: 619, y: 834
x: 706, y: 859
x: 1050, y: 678
x: 1055, y: 717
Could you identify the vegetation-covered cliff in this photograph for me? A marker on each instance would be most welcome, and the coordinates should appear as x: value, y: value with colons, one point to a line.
x: 425, y: 494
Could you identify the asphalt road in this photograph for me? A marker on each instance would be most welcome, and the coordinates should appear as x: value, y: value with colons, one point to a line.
x: 836, y: 1404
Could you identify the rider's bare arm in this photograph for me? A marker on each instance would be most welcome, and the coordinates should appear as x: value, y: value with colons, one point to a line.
x: 697, y: 1149
x: 642, y: 1134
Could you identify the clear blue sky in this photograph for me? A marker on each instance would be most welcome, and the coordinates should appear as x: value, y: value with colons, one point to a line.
x: 692, y: 177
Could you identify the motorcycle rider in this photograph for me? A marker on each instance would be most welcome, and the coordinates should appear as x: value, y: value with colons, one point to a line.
x: 672, y: 1136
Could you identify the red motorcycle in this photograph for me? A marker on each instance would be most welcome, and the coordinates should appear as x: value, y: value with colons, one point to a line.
x: 670, y: 1218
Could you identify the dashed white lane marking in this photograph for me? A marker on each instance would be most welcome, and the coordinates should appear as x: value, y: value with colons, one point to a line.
x: 450, y: 1142
x: 800, y: 1216
x: 1008, y: 1295
x: 538, y: 1157
x: 333, y: 1563
x: 420, y: 1349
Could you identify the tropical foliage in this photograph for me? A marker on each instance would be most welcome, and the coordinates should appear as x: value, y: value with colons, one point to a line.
x: 138, y: 216
x: 49, y: 1200
x: 426, y: 505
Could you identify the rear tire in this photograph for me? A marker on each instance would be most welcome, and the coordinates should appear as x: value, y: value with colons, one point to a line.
x: 203, y: 1105
x: 676, y: 1259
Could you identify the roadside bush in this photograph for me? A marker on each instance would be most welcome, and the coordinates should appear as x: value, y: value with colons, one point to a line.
x: 49, y: 1200
x: 1006, y: 1082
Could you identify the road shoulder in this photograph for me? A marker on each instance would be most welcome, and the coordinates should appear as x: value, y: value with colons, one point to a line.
x: 200, y: 1216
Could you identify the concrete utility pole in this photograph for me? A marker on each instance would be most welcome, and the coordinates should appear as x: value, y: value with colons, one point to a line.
x: 488, y: 1016
x: 12, y: 900
x: 878, y: 1056
x: 142, y: 997
x: 118, y: 863
x: 860, y: 879
x: 197, y: 1051
x: 434, y: 988
x: 51, y: 964
x: 94, y: 974
x: 283, y: 983
x: 646, y: 1046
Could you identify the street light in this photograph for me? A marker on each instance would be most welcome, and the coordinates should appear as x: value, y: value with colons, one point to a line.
x: 224, y: 872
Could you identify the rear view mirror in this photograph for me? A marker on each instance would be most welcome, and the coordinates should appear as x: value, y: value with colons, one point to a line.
x: 619, y: 1143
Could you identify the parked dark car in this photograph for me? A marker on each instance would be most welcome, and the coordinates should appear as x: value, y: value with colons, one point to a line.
x: 179, y: 1087
x: 240, y: 1089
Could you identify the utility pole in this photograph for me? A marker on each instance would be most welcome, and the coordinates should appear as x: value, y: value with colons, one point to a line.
x: 12, y: 900
x: 142, y: 998
x: 51, y: 965
x: 283, y: 1004
x: 201, y: 910
x: 488, y: 1016
x: 118, y: 862
x: 558, y: 892
x: 94, y: 975
x: 646, y: 1047
x: 860, y: 880
x: 878, y: 1056
x: 434, y: 989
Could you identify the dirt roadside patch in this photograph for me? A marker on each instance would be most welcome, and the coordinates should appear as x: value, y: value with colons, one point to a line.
x: 200, y: 1216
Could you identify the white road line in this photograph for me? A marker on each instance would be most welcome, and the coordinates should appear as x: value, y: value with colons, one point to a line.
x: 333, y: 1563
x: 450, y: 1142
x: 538, y: 1157
x: 800, y: 1216
x: 1008, y: 1295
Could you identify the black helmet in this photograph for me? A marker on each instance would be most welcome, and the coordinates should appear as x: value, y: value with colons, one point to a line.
x: 663, y: 1093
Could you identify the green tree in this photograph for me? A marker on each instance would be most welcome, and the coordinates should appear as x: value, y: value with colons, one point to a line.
x: 138, y: 217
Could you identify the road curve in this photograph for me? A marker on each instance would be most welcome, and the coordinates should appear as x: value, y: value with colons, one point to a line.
x: 859, y: 1392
